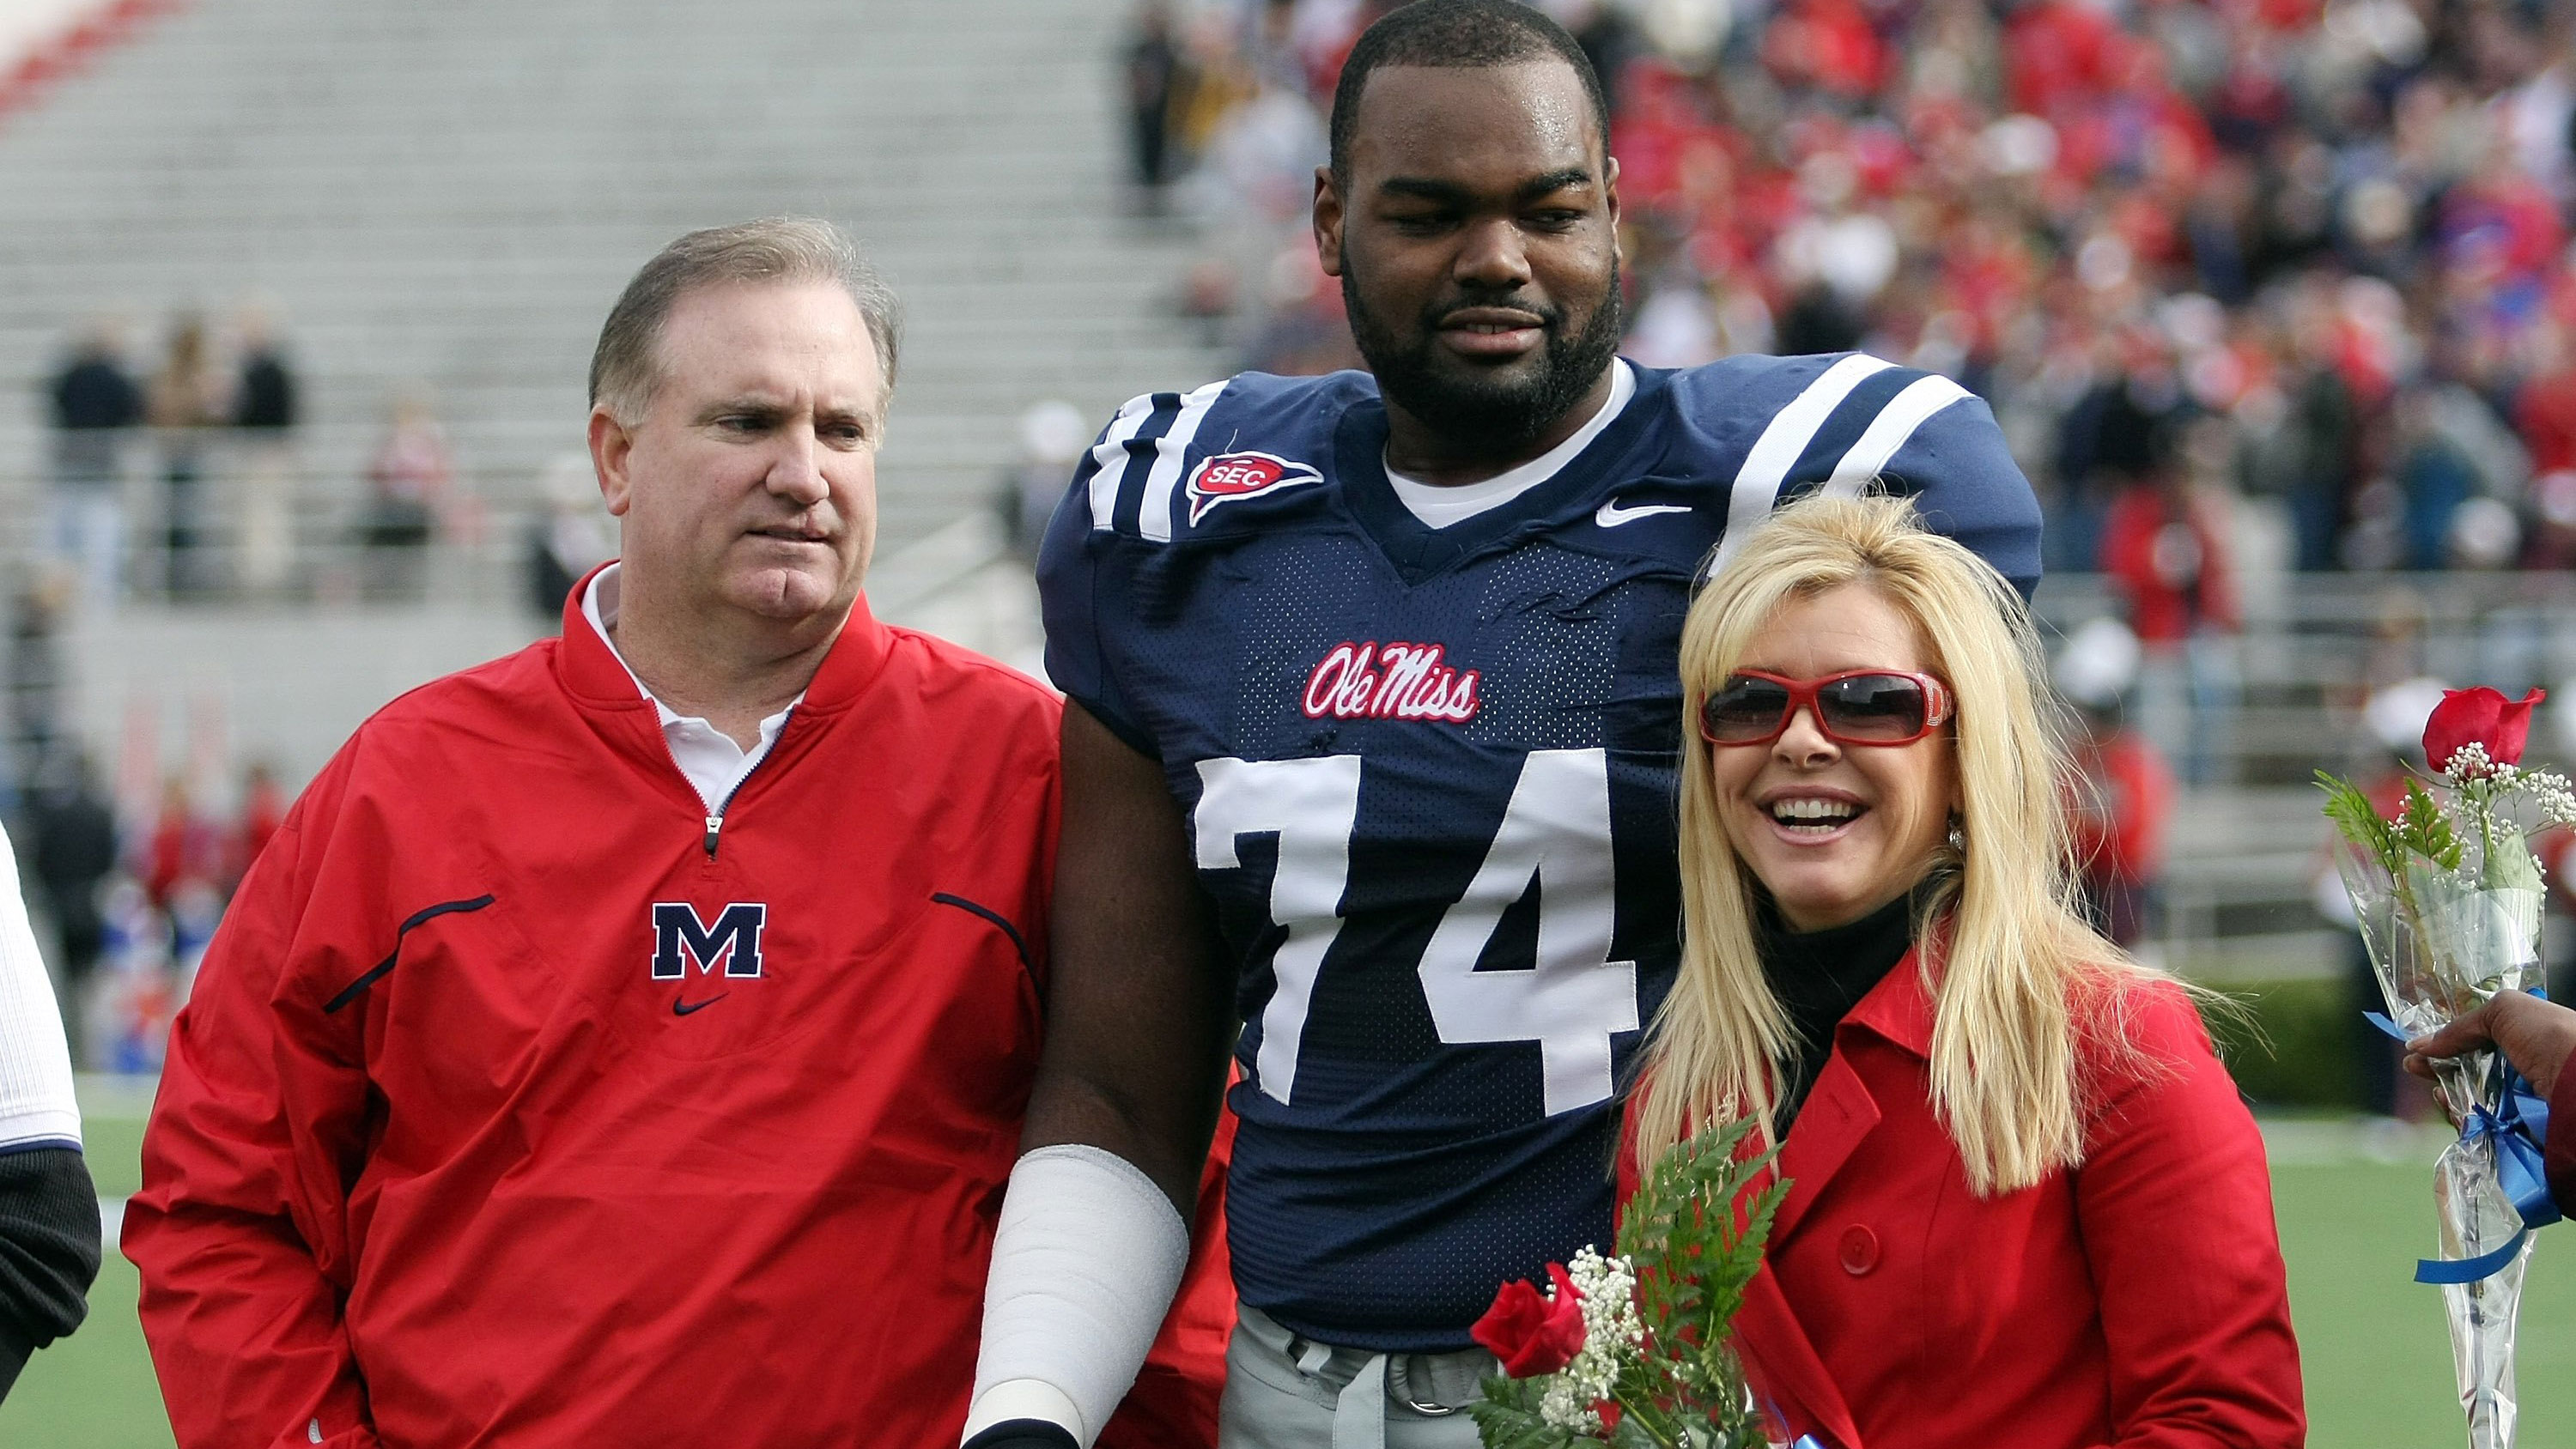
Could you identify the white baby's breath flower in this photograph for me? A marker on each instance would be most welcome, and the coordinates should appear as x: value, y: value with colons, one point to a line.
x: 2549, y: 791
x: 1609, y: 1288
x: 2467, y: 764
x: 1564, y: 1407
x: 1612, y: 1334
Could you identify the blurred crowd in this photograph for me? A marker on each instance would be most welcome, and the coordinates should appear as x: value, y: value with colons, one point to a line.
x: 126, y: 899
x: 125, y: 877
x: 2285, y: 278
x: 192, y: 403
x: 183, y: 480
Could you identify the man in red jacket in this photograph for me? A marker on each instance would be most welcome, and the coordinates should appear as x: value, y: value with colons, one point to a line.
x: 625, y: 1042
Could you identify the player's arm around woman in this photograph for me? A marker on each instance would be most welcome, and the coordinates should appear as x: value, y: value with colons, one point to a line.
x: 2026, y: 1199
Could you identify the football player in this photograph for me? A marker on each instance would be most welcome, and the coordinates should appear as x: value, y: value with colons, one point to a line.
x: 1371, y: 747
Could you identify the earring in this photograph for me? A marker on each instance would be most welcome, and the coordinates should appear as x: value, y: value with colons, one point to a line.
x: 1958, y: 835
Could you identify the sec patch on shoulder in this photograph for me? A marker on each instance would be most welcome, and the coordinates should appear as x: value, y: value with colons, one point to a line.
x: 1229, y: 477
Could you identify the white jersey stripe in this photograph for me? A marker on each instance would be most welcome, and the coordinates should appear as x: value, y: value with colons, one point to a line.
x: 1171, y: 451
x: 1111, y: 454
x: 1757, y: 483
x: 1887, y: 432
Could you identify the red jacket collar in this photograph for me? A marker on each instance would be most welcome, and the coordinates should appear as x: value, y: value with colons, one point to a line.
x: 592, y: 673
x: 1840, y: 1110
x: 1898, y: 1009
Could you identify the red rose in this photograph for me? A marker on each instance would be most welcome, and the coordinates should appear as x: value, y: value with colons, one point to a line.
x: 2479, y: 716
x: 1529, y: 1333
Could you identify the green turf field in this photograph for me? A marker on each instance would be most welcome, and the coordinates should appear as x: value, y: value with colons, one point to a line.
x: 2373, y: 1344
x: 2377, y: 1357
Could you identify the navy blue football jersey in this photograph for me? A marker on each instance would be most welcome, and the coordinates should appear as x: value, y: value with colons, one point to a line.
x: 1430, y: 778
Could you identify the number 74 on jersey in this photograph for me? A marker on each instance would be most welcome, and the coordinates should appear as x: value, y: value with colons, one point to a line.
x: 1555, y: 835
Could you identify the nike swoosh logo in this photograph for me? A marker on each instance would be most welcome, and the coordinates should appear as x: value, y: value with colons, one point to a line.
x: 683, y: 1008
x: 1612, y: 515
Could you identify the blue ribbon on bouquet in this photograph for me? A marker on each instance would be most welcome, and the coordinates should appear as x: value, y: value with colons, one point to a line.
x: 2517, y: 1127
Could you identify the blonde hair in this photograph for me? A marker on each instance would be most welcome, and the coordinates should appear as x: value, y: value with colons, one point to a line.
x: 2013, y: 946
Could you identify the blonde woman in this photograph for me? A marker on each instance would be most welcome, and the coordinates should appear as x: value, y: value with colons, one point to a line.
x: 2027, y: 1206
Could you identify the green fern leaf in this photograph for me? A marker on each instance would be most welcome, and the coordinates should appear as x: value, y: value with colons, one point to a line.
x: 2425, y: 830
x: 2360, y: 823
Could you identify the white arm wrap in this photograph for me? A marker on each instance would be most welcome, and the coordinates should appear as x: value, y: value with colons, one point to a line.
x: 1085, y: 1262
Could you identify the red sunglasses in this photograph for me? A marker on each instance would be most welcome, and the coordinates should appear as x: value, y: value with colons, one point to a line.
x: 1855, y: 707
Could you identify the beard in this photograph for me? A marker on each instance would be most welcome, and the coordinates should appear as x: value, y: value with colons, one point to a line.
x: 1491, y: 414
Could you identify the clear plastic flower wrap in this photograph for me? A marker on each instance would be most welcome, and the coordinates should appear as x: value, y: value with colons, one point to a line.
x: 2448, y: 897
x: 2440, y: 947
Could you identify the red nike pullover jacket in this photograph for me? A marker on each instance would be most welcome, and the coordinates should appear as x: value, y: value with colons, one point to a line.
x: 521, y: 1103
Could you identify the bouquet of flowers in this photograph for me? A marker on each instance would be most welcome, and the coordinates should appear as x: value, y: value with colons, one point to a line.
x: 1631, y: 1350
x: 2449, y: 894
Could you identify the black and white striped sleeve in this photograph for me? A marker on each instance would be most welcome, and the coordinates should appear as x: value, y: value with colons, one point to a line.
x: 49, y: 1222
x: 1842, y: 424
x: 1126, y: 487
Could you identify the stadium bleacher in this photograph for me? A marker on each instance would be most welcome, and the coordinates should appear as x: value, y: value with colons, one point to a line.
x: 450, y: 195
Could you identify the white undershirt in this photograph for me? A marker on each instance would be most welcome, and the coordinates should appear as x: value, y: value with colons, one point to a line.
x: 707, y: 755
x: 1439, y: 505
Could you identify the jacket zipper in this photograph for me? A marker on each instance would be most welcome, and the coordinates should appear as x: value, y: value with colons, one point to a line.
x: 715, y: 821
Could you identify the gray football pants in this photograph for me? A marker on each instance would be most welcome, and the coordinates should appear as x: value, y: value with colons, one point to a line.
x: 1283, y: 1391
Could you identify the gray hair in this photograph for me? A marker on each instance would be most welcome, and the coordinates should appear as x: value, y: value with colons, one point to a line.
x: 626, y: 366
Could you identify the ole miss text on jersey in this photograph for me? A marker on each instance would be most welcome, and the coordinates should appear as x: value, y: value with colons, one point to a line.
x: 1429, y: 776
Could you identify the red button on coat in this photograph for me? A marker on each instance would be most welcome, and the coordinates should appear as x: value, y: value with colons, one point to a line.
x: 1860, y: 1251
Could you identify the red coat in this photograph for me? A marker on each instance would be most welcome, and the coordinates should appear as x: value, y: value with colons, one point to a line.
x: 478, y: 1132
x: 2169, y: 560
x: 2136, y: 1301
x: 2119, y: 825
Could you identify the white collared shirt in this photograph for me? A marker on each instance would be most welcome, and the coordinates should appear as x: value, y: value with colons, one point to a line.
x: 707, y: 755
x: 1439, y: 505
